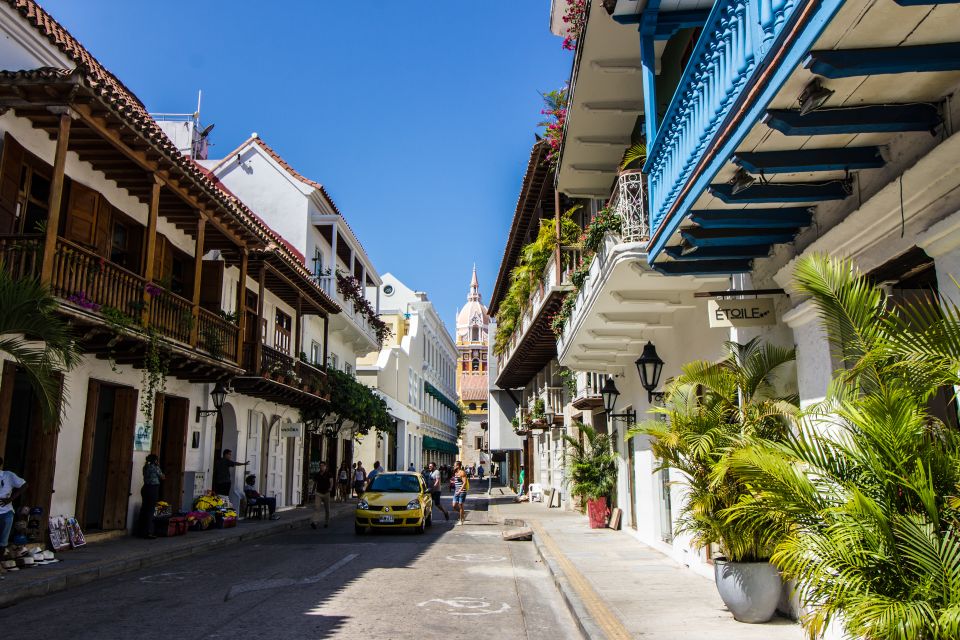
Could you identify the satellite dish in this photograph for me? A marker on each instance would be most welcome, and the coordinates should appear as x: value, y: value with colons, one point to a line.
x: 206, y: 130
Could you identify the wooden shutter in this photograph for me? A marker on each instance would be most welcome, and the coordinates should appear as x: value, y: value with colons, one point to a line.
x: 86, y: 448
x: 120, y: 459
x: 104, y: 227
x: 211, y: 285
x: 163, y: 259
x: 10, y: 183
x: 81, y: 223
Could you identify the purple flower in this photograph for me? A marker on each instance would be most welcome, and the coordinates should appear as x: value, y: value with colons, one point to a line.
x: 153, y: 290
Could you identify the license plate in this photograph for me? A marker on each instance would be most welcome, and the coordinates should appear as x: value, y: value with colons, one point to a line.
x: 386, y: 519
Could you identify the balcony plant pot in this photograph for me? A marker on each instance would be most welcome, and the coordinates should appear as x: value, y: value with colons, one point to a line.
x: 598, y: 513
x: 751, y: 590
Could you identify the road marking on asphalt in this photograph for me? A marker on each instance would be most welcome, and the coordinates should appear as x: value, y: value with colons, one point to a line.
x: 276, y: 583
x: 606, y: 619
x: 475, y: 557
x: 168, y: 577
x: 466, y: 606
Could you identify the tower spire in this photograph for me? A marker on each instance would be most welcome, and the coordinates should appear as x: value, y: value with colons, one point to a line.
x: 474, y: 287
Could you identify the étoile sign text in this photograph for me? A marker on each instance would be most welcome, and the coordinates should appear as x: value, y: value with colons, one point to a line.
x: 756, y: 312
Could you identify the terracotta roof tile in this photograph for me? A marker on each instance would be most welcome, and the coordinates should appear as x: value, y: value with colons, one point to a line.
x: 474, y: 387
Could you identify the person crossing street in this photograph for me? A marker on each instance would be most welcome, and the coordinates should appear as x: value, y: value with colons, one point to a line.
x: 434, y: 486
x: 460, y: 486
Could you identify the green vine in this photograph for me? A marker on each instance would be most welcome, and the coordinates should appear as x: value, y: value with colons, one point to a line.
x: 154, y: 375
x: 569, y: 377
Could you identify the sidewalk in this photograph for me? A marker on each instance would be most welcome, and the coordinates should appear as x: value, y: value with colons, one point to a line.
x: 103, y: 559
x: 617, y: 587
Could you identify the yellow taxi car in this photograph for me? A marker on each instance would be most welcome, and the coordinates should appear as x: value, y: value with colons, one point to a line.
x: 395, y: 500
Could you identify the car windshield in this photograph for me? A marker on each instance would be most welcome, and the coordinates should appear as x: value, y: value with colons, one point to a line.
x: 395, y: 483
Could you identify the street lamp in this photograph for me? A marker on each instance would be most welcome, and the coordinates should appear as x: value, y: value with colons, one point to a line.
x: 548, y: 413
x: 219, y: 395
x: 610, y: 394
x: 649, y: 366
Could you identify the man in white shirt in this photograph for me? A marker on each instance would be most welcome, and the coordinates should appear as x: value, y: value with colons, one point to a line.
x: 11, y: 486
x: 435, y: 488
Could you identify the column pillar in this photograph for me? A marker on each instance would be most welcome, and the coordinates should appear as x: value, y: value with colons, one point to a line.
x: 326, y: 335
x: 648, y: 61
x: 151, y: 249
x: 258, y: 330
x: 56, y: 197
x: 815, y: 362
x: 241, y: 307
x: 197, y: 271
x: 942, y: 243
x: 298, y: 339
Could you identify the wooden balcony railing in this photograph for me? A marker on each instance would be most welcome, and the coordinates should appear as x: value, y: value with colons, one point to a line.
x: 273, y: 361
x: 89, y: 281
x: 20, y: 255
x: 171, y: 315
x: 217, y: 335
x: 312, y: 376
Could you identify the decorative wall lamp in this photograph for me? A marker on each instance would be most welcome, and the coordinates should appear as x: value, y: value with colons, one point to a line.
x: 610, y: 394
x: 219, y: 394
x: 649, y: 366
x: 548, y: 413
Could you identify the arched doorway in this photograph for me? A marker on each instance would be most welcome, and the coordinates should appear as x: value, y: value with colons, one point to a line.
x: 227, y: 436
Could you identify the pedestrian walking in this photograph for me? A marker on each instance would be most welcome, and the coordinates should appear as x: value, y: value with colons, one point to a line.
x: 411, y: 467
x: 343, y: 482
x: 222, y: 472
x: 521, y: 482
x: 322, y: 492
x: 359, y: 479
x: 460, y: 486
x: 435, y: 487
x: 480, y: 472
x: 150, y: 494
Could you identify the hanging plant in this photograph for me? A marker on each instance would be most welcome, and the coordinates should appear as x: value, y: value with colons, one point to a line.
x: 555, y: 108
x: 352, y: 290
x: 606, y: 221
x: 575, y: 18
x: 154, y: 379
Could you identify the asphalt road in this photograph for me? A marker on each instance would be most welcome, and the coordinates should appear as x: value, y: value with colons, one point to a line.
x: 450, y: 582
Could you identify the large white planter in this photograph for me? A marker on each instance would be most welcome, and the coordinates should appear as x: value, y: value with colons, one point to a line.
x: 751, y: 590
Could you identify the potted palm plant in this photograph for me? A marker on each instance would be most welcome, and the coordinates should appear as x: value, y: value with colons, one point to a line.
x: 710, y: 411
x: 593, y: 472
x: 867, y: 489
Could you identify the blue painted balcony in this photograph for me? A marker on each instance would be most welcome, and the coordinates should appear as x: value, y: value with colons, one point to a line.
x: 784, y: 109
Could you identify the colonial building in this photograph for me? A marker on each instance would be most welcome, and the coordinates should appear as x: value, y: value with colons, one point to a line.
x: 415, y: 372
x: 473, y: 332
x: 171, y: 285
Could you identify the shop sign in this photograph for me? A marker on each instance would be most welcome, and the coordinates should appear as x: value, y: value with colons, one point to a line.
x: 756, y: 312
x: 143, y: 436
x: 291, y: 430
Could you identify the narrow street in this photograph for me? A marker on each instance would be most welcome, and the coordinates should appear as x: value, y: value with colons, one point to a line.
x: 327, y: 583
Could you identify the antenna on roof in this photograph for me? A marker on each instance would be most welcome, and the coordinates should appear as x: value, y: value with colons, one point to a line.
x: 199, y: 97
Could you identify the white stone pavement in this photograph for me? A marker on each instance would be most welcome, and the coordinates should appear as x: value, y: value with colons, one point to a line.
x: 633, y: 590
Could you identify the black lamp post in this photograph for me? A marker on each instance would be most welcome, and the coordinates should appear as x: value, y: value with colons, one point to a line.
x: 610, y: 394
x: 649, y: 366
x: 549, y: 414
x: 219, y: 395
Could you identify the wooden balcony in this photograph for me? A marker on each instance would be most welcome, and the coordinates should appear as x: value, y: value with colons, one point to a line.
x: 277, y: 377
x: 113, y: 310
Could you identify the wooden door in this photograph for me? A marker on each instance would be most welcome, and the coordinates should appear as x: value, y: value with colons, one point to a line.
x: 86, y: 446
x: 6, y: 399
x: 120, y: 459
x: 42, y: 458
x: 81, y: 223
x: 173, y: 450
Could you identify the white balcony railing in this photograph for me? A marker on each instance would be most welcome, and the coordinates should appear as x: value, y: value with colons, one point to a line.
x: 629, y: 202
x: 589, y: 384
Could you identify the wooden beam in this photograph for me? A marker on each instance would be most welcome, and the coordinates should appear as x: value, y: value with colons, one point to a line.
x: 56, y: 197
x: 258, y: 349
x: 197, y: 271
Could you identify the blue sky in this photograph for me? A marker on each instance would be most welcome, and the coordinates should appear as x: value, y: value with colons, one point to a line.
x: 417, y: 117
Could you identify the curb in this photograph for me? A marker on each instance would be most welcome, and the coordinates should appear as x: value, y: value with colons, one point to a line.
x: 10, y: 595
x: 578, y: 610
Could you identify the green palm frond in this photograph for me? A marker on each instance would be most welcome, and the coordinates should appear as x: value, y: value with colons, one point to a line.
x: 634, y: 157
x: 37, y: 339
